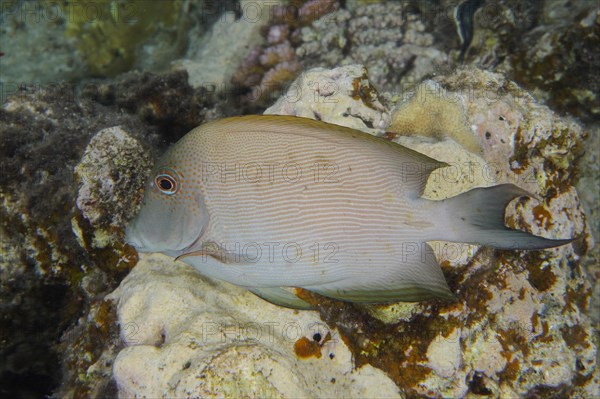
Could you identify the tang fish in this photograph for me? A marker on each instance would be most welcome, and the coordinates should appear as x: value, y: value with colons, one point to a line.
x: 274, y: 203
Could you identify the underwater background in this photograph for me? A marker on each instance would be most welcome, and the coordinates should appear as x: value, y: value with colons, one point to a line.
x: 94, y: 91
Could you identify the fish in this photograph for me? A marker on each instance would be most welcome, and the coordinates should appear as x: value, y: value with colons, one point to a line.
x: 464, y: 14
x: 275, y: 204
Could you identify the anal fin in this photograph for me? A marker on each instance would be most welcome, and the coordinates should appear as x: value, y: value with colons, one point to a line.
x: 416, y: 278
x: 282, y: 297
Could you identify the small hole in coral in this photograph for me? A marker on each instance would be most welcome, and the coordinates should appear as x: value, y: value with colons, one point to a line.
x: 477, y: 385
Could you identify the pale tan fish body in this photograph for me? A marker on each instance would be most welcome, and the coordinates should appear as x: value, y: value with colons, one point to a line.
x: 276, y: 201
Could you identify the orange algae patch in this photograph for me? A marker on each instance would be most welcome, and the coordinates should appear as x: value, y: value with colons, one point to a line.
x: 511, y: 371
x: 362, y: 90
x: 390, y: 135
x: 305, y: 348
x: 542, y: 217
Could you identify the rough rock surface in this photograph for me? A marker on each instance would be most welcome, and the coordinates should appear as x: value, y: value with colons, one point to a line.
x: 112, y: 164
x: 343, y: 96
x: 187, y: 336
x: 43, y: 135
x: 587, y: 188
x: 390, y: 41
x: 163, y: 100
x: 545, y: 45
x: 519, y: 326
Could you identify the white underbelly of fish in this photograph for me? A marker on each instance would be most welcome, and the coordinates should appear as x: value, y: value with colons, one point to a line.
x: 300, y: 263
x: 305, y: 242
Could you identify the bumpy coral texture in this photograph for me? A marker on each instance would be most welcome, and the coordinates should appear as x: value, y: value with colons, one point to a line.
x: 112, y: 164
x: 269, y: 68
x: 547, y: 46
x: 187, y: 336
x: 390, y: 41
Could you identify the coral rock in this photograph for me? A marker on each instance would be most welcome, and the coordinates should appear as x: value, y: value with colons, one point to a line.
x: 343, y: 96
x: 387, y: 39
x: 186, y: 336
x: 112, y: 164
x: 520, y: 325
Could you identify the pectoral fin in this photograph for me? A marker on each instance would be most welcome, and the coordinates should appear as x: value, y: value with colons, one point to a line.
x: 214, y: 250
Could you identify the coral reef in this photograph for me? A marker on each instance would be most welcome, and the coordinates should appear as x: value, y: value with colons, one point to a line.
x: 65, y: 160
x: 112, y: 163
x: 186, y: 336
x: 587, y: 188
x: 568, y: 74
x: 269, y: 67
x: 43, y: 134
x: 163, y: 100
x: 387, y: 38
x: 91, y: 38
x: 343, y: 96
x: 546, y: 46
x: 432, y: 113
x: 77, y: 40
x: 73, y: 158
x: 213, y: 58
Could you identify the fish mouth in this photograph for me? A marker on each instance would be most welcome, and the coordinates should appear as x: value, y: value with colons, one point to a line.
x: 133, y: 239
x: 196, y: 245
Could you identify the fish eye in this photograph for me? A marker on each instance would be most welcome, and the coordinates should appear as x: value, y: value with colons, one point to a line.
x: 166, y: 184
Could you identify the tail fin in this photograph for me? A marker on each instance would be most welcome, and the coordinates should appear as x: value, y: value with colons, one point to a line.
x: 477, y: 217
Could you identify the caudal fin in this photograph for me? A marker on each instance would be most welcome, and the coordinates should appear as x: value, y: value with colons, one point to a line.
x: 477, y: 217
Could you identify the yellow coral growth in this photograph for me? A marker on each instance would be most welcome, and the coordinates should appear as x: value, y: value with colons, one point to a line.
x: 431, y: 112
x: 109, y: 32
